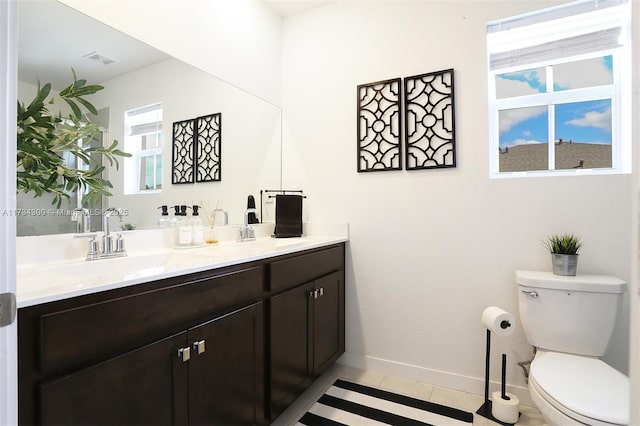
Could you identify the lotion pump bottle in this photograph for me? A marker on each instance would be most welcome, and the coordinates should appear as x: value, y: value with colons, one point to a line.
x: 197, y: 230
x: 183, y: 228
x: 173, y: 222
x: 164, y: 221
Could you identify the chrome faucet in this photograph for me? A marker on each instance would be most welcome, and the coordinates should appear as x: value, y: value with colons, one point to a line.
x: 107, y: 241
x: 82, y: 219
x: 108, y: 249
x: 246, y: 231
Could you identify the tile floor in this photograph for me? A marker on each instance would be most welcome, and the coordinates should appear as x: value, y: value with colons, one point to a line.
x: 462, y: 400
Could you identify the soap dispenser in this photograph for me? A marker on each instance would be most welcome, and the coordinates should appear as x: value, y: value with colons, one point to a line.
x: 251, y: 204
x: 173, y: 222
x: 197, y: 230
x: 183, y: 228
x: 164, y: 221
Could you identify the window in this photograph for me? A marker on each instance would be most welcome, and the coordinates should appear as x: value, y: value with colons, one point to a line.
x: 559, y: 90
x: 143, y: 138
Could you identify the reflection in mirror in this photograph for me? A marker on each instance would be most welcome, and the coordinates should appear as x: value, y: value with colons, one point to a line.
x: 136, y: 78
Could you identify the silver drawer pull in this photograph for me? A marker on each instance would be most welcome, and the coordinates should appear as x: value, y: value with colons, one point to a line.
x: 184, y: 354
x: 199, y: 347
x: 530, y: 293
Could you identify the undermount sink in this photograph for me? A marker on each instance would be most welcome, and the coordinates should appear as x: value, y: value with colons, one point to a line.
x: 123, y: 266
x: 271, y: 243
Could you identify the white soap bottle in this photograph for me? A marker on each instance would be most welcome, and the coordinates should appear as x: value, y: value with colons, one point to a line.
x: 197, y: 230
x: 164, y: 221
x: 183, y: 229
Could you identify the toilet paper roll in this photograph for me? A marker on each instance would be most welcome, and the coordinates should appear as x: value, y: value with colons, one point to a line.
x: 505, y: 410
x: 498, y: 321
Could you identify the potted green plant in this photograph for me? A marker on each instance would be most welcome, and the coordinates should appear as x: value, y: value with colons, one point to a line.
x: 44, y: 138
x: 564, y: 253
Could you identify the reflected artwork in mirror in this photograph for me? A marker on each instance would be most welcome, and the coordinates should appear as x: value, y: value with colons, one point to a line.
x: 136, y: 75
x: 209, y: 148
x: 182, y: 154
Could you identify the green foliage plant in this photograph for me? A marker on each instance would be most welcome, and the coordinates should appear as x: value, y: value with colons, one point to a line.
x: 44, y: 137
x: 563, y: 244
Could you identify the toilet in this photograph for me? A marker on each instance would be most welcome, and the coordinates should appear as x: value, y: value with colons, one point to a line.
x: 570, y: 319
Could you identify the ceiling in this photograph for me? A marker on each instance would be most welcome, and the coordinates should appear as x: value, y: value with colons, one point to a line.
x: 47, y: 52
x: 286, y: 8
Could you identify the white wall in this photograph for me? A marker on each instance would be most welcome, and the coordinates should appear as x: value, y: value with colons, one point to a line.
x: 238, y: 41
x: 429, y: 250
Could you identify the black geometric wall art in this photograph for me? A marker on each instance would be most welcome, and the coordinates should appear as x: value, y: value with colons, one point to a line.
x: 208, y: 148
x: 379, y: 126
x: 429, y: 121
x: 182, y: 161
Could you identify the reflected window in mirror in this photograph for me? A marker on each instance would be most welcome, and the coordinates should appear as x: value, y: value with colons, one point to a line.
x: 144, y: 139
x: 559, y: 91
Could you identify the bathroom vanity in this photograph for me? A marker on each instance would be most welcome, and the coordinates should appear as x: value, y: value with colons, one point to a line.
x: 234, y: 344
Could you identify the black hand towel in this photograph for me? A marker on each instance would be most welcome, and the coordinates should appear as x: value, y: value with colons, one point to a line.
x: 288, y: 216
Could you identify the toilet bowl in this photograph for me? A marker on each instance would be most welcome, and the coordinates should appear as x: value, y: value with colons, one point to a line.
x: 569, y: 320
x: 574, y: 389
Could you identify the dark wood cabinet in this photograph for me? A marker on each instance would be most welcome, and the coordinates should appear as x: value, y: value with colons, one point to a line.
x: 187, y: 350
x: 306, y: 324
x: 226, y: 384
x: 328, y: 321
x: 290, y: 366
x: 121, y: 390
x: 234, y: 345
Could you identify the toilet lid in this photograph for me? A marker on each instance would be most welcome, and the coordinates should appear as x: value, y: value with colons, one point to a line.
x: 586, y: 386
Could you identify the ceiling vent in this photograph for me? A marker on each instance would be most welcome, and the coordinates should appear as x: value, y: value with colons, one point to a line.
x: 95, y: 56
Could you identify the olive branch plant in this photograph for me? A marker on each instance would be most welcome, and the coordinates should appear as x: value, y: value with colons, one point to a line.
x: 43, y: 138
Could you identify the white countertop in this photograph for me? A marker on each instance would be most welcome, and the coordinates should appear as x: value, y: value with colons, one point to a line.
x: 44, y: 282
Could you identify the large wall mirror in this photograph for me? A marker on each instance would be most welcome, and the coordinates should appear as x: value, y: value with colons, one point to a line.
x: 142, y: 81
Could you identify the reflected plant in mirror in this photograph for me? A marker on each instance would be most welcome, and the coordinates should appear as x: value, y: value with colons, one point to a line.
x: 46, y: 142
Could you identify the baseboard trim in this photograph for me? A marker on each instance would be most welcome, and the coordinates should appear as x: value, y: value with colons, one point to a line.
x: 426, y: 375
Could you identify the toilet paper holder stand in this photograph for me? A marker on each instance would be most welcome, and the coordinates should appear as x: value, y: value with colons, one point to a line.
x: 485, y: 409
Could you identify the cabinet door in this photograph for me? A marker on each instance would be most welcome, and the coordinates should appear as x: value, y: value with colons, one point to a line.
x: 226, y: 370
x: 328, y: 321
x: 146, y: 386
x: 290, y: 363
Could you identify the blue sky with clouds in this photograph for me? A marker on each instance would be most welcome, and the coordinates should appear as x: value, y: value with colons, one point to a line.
x: 586, y: 122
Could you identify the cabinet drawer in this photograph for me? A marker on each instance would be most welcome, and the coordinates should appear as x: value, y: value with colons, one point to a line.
x: 300, y: 269
x: 82, y: 333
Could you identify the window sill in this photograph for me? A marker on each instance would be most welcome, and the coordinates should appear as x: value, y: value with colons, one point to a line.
x: 554, y: 173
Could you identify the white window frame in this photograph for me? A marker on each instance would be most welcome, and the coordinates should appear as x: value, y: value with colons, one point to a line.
x: 132, y: 166
x: 543, y: 29
x: 148, y: 153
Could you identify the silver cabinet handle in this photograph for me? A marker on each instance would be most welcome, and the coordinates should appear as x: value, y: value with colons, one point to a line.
x: 199, y: 347
x: 321, y: 291
x: 530, y: 293
x: 184, y: 354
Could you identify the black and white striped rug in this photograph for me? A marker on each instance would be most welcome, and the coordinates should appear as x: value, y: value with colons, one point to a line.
x: 347, y: 403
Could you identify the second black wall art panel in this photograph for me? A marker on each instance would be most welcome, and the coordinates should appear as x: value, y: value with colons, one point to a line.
x: 429, y: 121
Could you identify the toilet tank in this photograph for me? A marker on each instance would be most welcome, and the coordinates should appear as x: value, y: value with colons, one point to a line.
x: 569, y: 314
